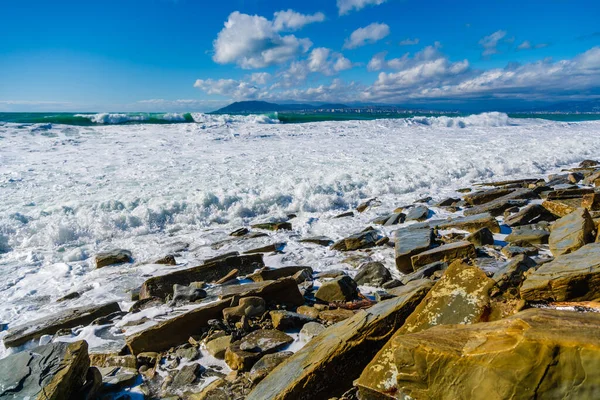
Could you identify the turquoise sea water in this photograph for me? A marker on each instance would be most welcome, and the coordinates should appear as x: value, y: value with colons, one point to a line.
x: 93, y: 119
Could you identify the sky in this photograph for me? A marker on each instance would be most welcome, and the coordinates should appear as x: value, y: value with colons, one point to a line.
x: 191, y: 55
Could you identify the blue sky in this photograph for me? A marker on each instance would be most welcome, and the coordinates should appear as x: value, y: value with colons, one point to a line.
x: 188, y: 55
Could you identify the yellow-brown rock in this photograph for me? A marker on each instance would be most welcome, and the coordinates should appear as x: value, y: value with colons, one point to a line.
x: 536, y: 354
x: 329, y: 363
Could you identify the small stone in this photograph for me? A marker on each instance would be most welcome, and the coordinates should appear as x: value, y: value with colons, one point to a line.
x: 283, y: 320
x: 217, y: 347
x: 274, y: 226
x: 345, y: 214
x: 511, y: 251
x: 360, y: 240
x: 310, y: 330
x: 186, y: 376
x: 248, y: 306
x: 239, y: 232
x: 392, y: 284
x: 166, y: 260
x: 373, y: 274
x: 309, y: 311
x: 339, y: 289
x: 188, y: 353
x: 191, y: 293
x: 118, y: 256
x: 369, y: 203
x: 320, y: 240
x: 70, y: 296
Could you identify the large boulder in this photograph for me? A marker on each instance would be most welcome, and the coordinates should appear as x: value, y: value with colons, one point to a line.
x: 536, y: 354
x: 563, y: 207
x: 54, y: 371
x: 460, y: 296
x: 496, y: 207
x: 570, y: 277
x: 446, y: 253
x: 409, y: 242
x: 328, y: 364
x: 162, y: 286
x: 571, y: 232
x: 67, y: 319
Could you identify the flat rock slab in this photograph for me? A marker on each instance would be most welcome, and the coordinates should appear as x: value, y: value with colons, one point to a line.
x: 445, y: 253
x: 162, y: 286
x: 536, y: 354
x: 67, y: 319
x: 533, y: 236
x: 496, y: 207
x: 242, y: 355
x: 272, y: 274
x: 533, y: 213
x: 561, y: 208
x: 485, y: 196
x: 571, y: 232
x: 54, y: 371
x: 177, y: 330
x: 284, y: 291
x: 570, y: 277
x: 417, y: 213
x: 360, y: 240
x: 409, y: 242
x: 470, y: 224
x: 328, y: 364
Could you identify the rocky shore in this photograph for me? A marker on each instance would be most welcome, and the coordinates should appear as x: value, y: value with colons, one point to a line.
x: 499, y: 300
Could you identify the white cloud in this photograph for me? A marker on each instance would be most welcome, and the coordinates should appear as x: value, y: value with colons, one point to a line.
x: 490, y: 43
x: 440, y: 79
x: 409, y: 42
x: 345, y: 6
x: 252, y: 41
x: 527, y: 45
x: 290, y: 20
x: 260, y: 78
x: 369, y: 34
x: 228, y: 88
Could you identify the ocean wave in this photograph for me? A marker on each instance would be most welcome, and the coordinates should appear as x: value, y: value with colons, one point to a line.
x: 489, y: 119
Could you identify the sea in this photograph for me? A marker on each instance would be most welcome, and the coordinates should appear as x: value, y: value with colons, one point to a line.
x: 74, y: 184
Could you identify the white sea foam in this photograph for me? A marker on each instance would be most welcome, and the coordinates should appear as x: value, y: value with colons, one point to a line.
x: 69, y: 192
x: 107, y: 118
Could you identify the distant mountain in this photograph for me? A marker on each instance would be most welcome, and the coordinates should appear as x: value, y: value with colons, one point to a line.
x: 249, y: 107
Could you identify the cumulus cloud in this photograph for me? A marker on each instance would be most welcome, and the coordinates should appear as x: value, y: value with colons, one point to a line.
x: 260, y: 78
x: 320, y: 60
x: 291, y: 20
x: 228, y: 87
x: 409, y: 42
x: 345, y: 6
x: 369, y: 34
x: 253, y: 41
x: 490, y: 43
